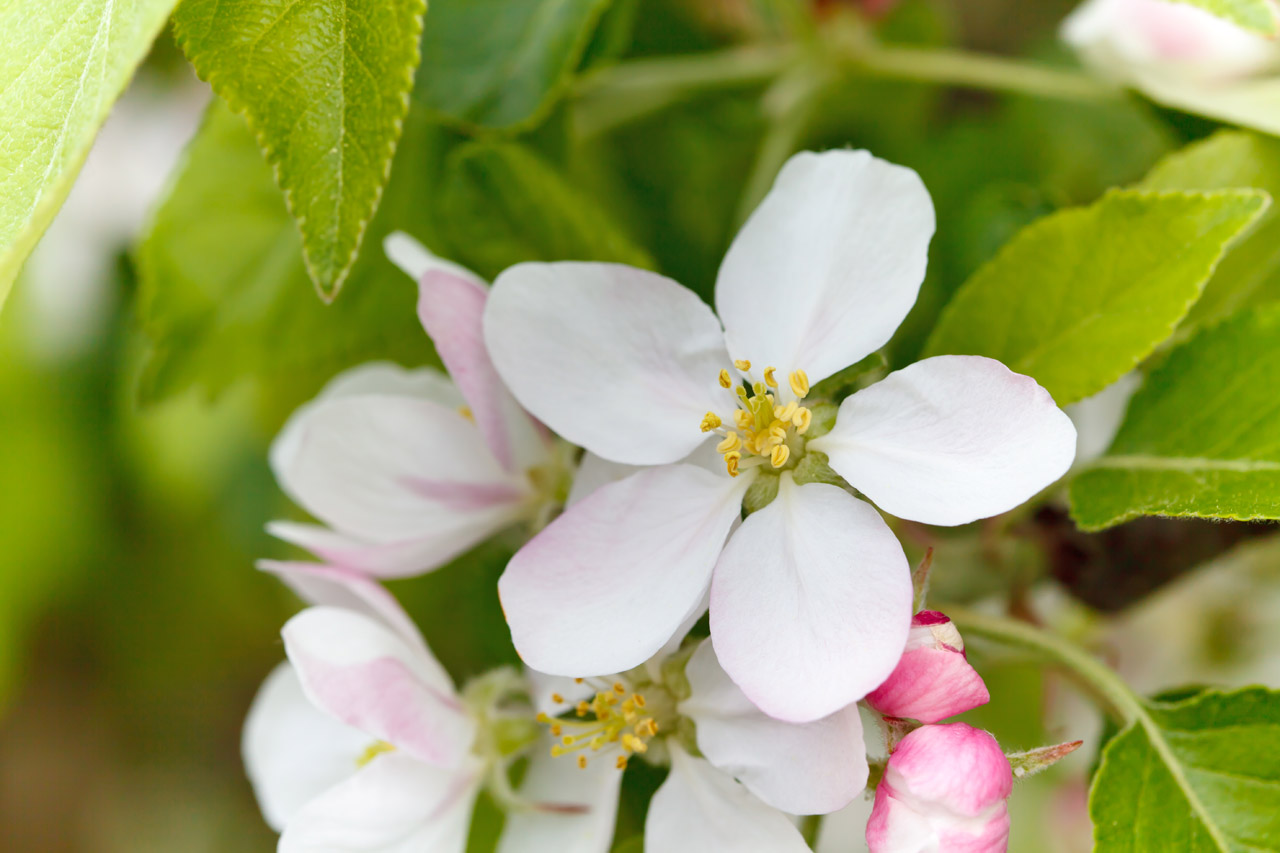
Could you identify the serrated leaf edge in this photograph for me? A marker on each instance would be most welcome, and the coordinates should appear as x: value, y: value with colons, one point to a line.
x: 273, y: 156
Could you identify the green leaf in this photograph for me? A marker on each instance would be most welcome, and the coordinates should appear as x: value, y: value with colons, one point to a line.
x: 502, y: 63
x: 325, y: 87
x: 502, y: 204
x: 1256, y: 15
x: 224, y: 292
x: 1250, y: 273
x: 1202, y: 436
x: 1195, y: 776
x: 1078, y: 298
x: 63, y: 65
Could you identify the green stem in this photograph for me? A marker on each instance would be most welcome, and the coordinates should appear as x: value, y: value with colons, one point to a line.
x: 1098, y: 678
x: 634, y: 89
x: 979, y: 71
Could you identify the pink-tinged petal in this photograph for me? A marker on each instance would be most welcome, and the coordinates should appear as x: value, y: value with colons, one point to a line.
x: 828, y: 265
x: 335, y: 586
x: 944, y: 788
x: 950, y: 439
x: 293, y: 752
x: 573, y: 809
x: 809, y: 768
x: 606, y: 584
x: 957, y: 767
x: 416, y: 260
x: 618, y: 360
x: 356, y: 669
x: 700, y: 809
x: 390, y: 560
x: 451, y: 309
x: 393, y: 805
x: 933, y: 680
x: 404, y: 478
x: 810, y: 602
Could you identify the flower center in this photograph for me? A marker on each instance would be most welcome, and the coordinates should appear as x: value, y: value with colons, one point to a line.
x: 614, y: 721
x: 764, y: 429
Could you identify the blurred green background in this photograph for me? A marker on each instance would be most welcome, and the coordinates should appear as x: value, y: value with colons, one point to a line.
x: 134, y: 629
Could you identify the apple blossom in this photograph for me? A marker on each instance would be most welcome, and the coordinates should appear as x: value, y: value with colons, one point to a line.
x: 1134, y: 40
x: 734, y: 771
x: 810, y: 596
x: 408, y: 469
x: 360, y: 741
x: 944, y: 789
x: 933, y: 680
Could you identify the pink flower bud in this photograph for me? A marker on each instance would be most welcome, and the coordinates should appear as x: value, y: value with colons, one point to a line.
x: 943, y: 790
x: 933, y: 680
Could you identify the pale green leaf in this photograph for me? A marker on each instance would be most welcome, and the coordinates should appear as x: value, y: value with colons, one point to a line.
x: 325, y: 87
x: 1250, y: 273
x: 1200, y: 775
x: 1256, y: 15
x: 224, y: 293
x: 1078, y: 298
x: 502, y: 63
x: 1201, y: 438
x: 62, y: 66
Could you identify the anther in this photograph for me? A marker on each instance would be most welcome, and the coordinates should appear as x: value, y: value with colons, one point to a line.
x: 799, y: 381
x: 621, y: 763
x: 731, y: 442
x: 725, y: 381
x: 619, y: 688
x: 802, y: 418
x: 779, y: 456
x: 784, y: 413
x: 731, y: 461
x: 742, y: 364
x: 557, y: 698
x: 582, y: 762
x: 710, y: 421
x: 769, y: 378
x: 743, y: 419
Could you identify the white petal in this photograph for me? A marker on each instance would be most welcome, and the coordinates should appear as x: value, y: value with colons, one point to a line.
x: 389, y: 379
x: 340, y: 587
x: 416, y: 260
x: 393, y: 805
x: 950, y: 439
x: 293, y: 751
x: 618, y: 360
x: 605, y: 585
x: 810, y: 602
x: 828, y: 265
x: 399, y: 472
x: 801, y: 768
x: 596, y: 471
x: 364, y: 675
x: 451, y: 308
x: 699, y: 809
x: 574, y: 809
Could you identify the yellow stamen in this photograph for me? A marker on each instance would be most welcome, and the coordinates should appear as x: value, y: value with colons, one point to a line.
x: 621, y: 763
x: 731, y: 461
x: 769, y: 378
x: 582, y: 761
x: 710, y: 421
x: 742, y: 364
x: 557, y: 698
x: 466, y: 412
x: 799, y: 382
x: 373, y: 751
x: 784, y: 413
x: 802, y: 418
x: 779, y: 456
x: 742, y: 419
x: 725, y: 381
x: 732, y: 441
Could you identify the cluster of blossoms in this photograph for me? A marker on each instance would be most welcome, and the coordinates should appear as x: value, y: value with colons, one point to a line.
x: 670, y: 463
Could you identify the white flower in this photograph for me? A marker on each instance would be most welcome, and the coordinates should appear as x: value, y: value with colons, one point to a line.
x: 752, y: 769
x: 1174, y: 40
x: 361, y: 743
x: 811, y: 596
x: 408, y: 469
x: 1183, y: 57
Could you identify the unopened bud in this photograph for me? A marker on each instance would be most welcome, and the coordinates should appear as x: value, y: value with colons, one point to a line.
x: 944, y: 788
x: 933, y: 680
